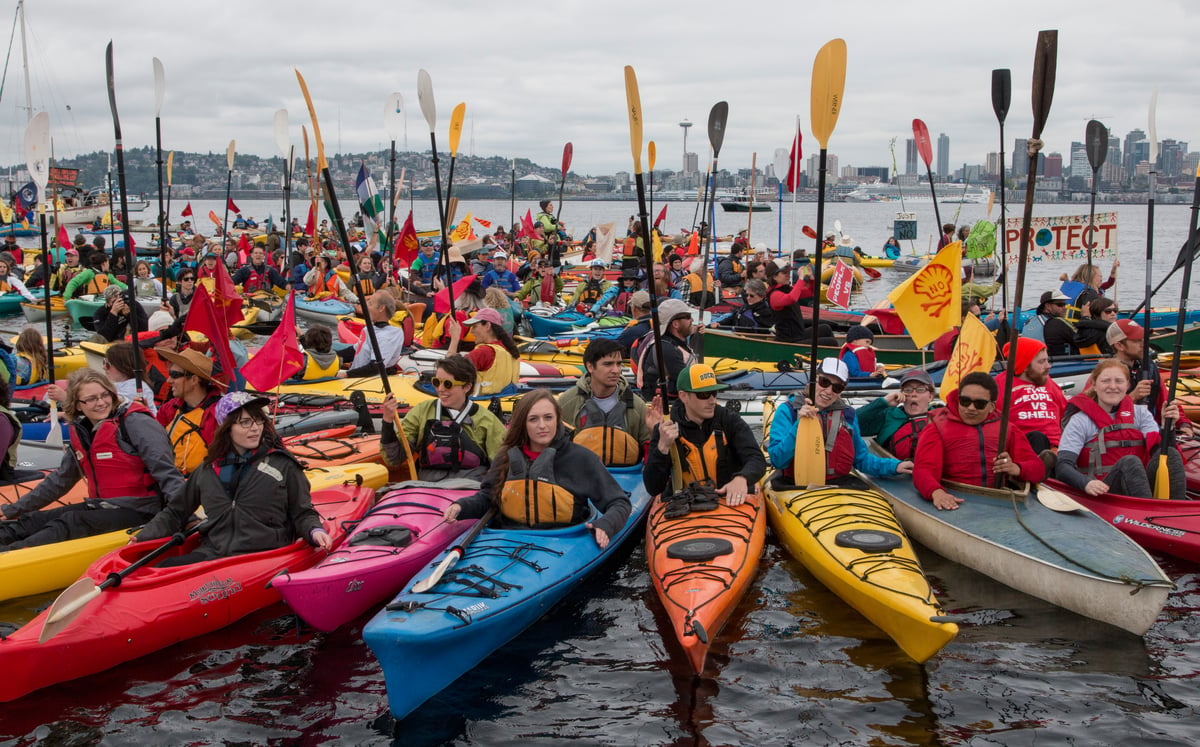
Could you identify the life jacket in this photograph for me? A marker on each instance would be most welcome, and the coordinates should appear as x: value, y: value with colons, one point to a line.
x: 1116, y: 437
x: 903, y: 443
x: 63, y: 275
x: 187, y: 439
x: 592, y: 290
x: 621, y: 303
x: 865, y: 356
x: 109, y: 470
x: 97, y: 284
x: 531, y: 497
x: 696, y: 283
x: 427, y: 269
x: 324, y: 286
x: 4, y: 286
x: 505, y: 371
x: 839, y: 442
x: 547, y: 292
x: 9, y: 465
x: 445, y: 444
x: 699, y: 464
x: 35, y: 369
x: 604, y: 433
x: 257, y: 281
x: 368, y: 285
x: 314, y: 371
x: 789, y: 321
x: 144, y: 288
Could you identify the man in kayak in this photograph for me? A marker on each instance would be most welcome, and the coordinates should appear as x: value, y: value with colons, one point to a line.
x: 1038, y: 402
x: 188, y: 416
x: 381, y: 307
x: 675, y: 322
x: 729, y: 271
x: 258, y: 275
x: 111, y: 321
x: 845, y: 450
x: 592, y: 288
x: 961, y: 443
x: 603, y: 410
x: 1057, y: 332
x: 543, y: 286
x: 713, y: 445
x: 897, y: 419
x: 639, y: 309
x: 500, y: 276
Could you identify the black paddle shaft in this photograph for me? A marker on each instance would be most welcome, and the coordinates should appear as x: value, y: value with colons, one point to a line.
x: 1001, y: 99
x: 437, y: 184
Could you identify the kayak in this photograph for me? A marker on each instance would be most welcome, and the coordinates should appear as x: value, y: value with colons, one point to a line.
x: 424, y: 362
x: 404, y: 387
x: 569, y: 321
x: 335, y: 447
x: 36, y: 312
x: 325, y: 311
x: 506, y: 580
x: 157, y: 607
x: 397, y: 538
x: 701, y: 565
x: 10, y: 303
x: 1075, y: 559
x: 36, y: 570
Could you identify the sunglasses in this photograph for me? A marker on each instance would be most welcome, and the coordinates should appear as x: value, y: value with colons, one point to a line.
x: 977, y: 404
x: 836, y: 386
x: 446, y: 383
x: 177, y: 374
x: 703, y: 395
x: 188, y: 279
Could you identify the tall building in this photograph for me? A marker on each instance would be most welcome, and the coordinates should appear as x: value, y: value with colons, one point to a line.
x: 1020, y: 159
x: 1054, y: 163
x: 994, y: 165
x: 691, y: 163
x: 1114, y: 151
x: 1130, y: 161
x: 910, y: 157
x: 943, y: 156
x: 1171, y: 157
x: 814, y: 169
x: 1080, y: 166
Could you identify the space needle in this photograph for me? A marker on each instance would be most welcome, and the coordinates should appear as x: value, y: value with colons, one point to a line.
x: 685, y: 124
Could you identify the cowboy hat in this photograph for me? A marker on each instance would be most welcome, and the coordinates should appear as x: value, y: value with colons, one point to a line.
x: 194, y: 362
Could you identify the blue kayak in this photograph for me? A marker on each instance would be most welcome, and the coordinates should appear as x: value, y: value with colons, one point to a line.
x: 506, y: 581
x: 326, y: 310
x: 574, y: 323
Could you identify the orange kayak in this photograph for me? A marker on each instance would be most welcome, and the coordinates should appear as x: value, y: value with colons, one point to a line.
x: 335, y: 447
x: 701, y: 565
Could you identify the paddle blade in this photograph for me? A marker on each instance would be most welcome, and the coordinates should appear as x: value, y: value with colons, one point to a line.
x: 37, y: 151
x: 1162, y: 481
x: 828, y: 82
x: 111, y: 80
x: 634, y: 100
x: 54, y: 437
x: 425, y: 99
x: 717, y: 117
x: 160, y: 86
x: 281, y: 133
x: 312, y: 114
x: 456, y: 125
x: 1056, y: 500
x: 809, y: 231
x: 434, y: 577
x: 229, y: 153
x: 1045, y: 63
x: 808, y: 460
x: 1001, y: 92
x: 170, y: 166
x: 67, y: 607
x: 1097, y: 144
x: 924, y: 147
x: 649, y: 151
x: 393, y: 116
x: 569, y: 152
x: 1152, y: 131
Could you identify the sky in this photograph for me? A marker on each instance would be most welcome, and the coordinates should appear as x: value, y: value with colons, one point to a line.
x: 535, y: 76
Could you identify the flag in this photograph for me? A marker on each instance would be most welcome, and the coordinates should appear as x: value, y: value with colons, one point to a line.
x: 840, y: 282
x: 462, y: 232
x: 606, y: 235
x: 244, y: 248
x: 368, y: 197
x: 662, y: 215
x: 216, y: 219
x: 187, y: 210
x: 793, y: 174
x: 694, y: 244
x: 975, y: 350
x: 484, y: 223
x: 527, y: 225
x: 64, y: 239
x: 930, y: 302
x: 207, y: 319
x: 280, y: 358
x: 656, y: 244
x: 229, y: 204
x: 26, y: 199
x: 311, y: 225
x: 407, y: 243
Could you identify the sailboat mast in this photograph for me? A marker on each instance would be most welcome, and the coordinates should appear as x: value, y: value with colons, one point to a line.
x: 25, y: 64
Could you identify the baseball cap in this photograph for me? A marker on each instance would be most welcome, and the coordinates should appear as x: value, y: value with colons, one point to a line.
x: 485, y: 315
x: 670, y: 310
x: 836, y: 368
x: 598, y: 263
x: 1054, y: 296
x: 1124, y: 329
x: 234, y: 401
x: 640, y: 300
x: 919, y: 376
x: 499, y: 255
x: 698, y: 378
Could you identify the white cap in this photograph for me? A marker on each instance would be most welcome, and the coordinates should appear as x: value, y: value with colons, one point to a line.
x: 599, y: 263
x: 760, y: 246
x: 835, y: 367
x: 499, y: 255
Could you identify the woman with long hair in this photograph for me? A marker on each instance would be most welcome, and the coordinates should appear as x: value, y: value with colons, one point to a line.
x: 254, y: 493
x: 495, y: 354
x: 541, y: 480
x: 498, y: 300
x: 118, y: 367
x: 30, y: 350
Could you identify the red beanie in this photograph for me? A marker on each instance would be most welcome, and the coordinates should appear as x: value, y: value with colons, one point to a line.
x: 1027, y: 348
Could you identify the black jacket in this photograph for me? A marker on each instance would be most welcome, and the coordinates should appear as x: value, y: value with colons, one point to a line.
x: 741, y: 455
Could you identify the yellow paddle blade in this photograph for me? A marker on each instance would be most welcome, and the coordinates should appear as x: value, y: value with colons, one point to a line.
x: 650, y: 152
x: 322, y: 164
x: 1162, y: 480
x: 170, y: 166
x: 634, y: 99
x: 456, y: 123
x: 808, y: 460
x: 828, y: 81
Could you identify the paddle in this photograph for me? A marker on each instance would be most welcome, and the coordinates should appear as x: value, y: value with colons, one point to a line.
x: 429, y: 110
x: 1097, y: 151
x: 1152, y: 157
x: 456, y: 124
x: 393, y: 116
x: 1056, y: 500
x: 568, y: 154
x: 717, y: 118
x: 170, y: 169
x: 651, y: 155
x: 1045, y: 62
x: 1001, y: 99
x: 288, y: 152
x: 160, y: 91
x: 808, y: 459
x: 138, y: 363
x: 340, y: 226
x: 925, y: 148
x: 312, y: 188
x: 75, y: 597
x: 453, y: 556
x: 37, y: 160
x: 828, y: 82
x: 1162, y: 488
x: 229, y: 154
x: 633, y: 99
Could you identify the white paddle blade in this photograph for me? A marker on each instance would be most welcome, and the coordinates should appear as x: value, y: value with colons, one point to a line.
x: 37, y: 150
x: 1057, y: 501
x: 1153, y: 129
x: 393, y: 116
x: 432, y: 579
x: 160, y: 86
x: 67, y: 607
x: 425, y: 98
x: 229, y: 154
x: 54, y: 436
x: 281, y: 133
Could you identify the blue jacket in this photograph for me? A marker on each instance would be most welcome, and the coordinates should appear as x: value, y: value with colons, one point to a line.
x: 851, y: 361
x: 506, y: 280
x: 781, y: 447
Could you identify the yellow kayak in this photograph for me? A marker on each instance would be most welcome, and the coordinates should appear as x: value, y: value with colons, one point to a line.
x: 852, y: 542
x: 35, y: 570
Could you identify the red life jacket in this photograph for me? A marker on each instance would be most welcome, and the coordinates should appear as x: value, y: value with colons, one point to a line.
x: 865, y: 356
x: 547, y: 292
x: 903, y: 443
x: 839, y: 442
x: 1117, y: 437
x: 621, y: 304
x: 257, y: 280
x: 110, y: 471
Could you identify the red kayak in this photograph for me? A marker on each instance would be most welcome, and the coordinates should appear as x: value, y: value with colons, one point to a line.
x: 157, y: 607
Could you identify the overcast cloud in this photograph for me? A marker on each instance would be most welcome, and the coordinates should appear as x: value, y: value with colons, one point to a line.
x: 535, y: 75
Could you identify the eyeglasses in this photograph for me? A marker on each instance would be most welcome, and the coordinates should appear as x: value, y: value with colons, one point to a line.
x: 174, y: 374
x: 914, y: 389
x: 978, y: 404
x: 836, y: 386
x: 89, y: 401
x: 703, y: 395
x: 446, y: 383
x: 248, y: 422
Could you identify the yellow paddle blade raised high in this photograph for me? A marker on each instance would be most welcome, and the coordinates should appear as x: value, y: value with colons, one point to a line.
x: 828, y: 82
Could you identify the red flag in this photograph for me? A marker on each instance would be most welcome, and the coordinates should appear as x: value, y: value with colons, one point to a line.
x: 840, y: 282
x: 280, y: 358
x: 407, y: 244
x: 441, y: 300
x: 527, y: 225
x: 311, y: 225
x: 661, y: 216
x: 793, y: 174
x: 64, y: 238
x: 228, y: 302
x: 187, y: 210
x: 232, y: 207
x: 205, y: 318
x: 244, y: 248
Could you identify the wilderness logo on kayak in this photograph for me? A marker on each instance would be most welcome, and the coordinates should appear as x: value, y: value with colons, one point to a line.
x: 215, y: 590
x: 1122, y: 519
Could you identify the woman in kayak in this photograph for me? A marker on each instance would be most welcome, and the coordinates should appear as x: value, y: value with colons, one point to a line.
x: 450, y: 436
x: 495, y: 355
x: 254, y: 493
x: 1110, y: 445
x: 123, y: 453
x: 542, y: 480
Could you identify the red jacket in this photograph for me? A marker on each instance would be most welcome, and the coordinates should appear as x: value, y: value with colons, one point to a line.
x: 1036, y: 408
x: 949, y: 449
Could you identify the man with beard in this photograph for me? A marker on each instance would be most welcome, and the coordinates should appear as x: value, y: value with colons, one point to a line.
x: 1038, y: 402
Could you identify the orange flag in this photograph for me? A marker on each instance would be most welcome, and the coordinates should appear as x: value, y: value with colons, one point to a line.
x: 975, y: 350
x: 930, y: 302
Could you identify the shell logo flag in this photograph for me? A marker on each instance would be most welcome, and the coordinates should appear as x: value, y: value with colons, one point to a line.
x: 975, y: 350
x: 930, y: 301
x: 463, y: 231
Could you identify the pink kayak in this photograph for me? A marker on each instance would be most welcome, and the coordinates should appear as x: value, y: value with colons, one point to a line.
x: 396, y: 539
